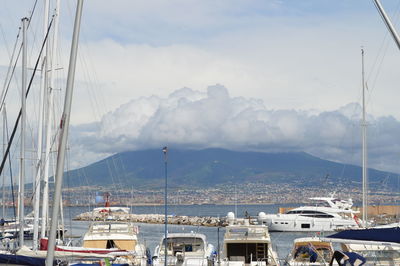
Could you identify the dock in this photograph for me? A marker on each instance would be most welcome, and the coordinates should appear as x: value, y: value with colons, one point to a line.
x: 154, y: 219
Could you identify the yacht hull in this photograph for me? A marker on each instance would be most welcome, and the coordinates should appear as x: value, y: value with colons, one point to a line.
x: 296, y: 223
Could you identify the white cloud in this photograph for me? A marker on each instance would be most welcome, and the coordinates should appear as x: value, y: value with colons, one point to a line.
x: 193, y: 119
x: 289, y: 66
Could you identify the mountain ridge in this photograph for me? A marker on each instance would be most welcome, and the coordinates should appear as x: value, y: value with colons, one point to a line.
x: 215, y: 166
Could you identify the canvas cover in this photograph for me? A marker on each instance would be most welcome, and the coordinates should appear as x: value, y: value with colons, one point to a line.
x: 374, y: 234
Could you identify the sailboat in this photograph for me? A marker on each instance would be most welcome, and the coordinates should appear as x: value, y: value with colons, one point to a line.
x: 19, y: 228
x: 32, y: 226
x: 378, y: 245
x: 49, y: 255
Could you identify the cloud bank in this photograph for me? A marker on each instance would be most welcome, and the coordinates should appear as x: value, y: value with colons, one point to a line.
x: 194, y: 119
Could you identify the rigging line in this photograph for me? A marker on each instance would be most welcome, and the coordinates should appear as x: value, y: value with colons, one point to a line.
x: 93, y: 86
x: 5, y: 40
x: 68, y: 159
x: 35, y: 182
x: 52, y: 145
x: 385, y: 42
x: 33, y: 12
x: 88, y: 85
x: 19, y: 53
x: 384, y: 46
x: 100, y: 94
x: 119, y: 183
x: 26, y: 95
x: 112, y: 176
x: 352, y: 127
x: 5, y: 86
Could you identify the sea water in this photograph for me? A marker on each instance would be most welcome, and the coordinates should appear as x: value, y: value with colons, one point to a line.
x: 150, y: 234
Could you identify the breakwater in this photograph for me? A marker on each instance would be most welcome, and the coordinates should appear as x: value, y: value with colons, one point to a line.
x: 153, y: 218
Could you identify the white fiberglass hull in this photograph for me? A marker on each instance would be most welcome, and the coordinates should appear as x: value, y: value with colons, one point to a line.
x: 298, y: 223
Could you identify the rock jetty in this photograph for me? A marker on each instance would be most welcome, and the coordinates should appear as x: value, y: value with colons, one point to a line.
x: 152, y: 218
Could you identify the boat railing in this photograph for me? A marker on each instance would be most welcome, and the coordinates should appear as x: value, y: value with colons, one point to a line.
x: 245, y: 236
x: 115, y: 228
x: 269, y: 260
x: 240, y: 233
x: 195, y: 261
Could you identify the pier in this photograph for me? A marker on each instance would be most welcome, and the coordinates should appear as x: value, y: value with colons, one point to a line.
x: 153, y: 219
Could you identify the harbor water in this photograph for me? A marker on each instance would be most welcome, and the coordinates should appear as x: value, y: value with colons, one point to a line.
x: 151, y: 234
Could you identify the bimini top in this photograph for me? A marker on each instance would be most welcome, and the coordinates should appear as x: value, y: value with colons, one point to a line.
x: 374, y: 234
x: 192, y: 235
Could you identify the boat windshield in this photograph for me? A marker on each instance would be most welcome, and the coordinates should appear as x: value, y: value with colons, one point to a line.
x: 380, y: 255
x: 184, y: 244
x: 311, y: 253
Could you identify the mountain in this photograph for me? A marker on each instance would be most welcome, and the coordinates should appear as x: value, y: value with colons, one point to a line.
x: 210, y: 167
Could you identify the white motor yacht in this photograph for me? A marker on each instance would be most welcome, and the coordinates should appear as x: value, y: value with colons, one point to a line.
x: 328, y: 214
x: 247, y: 244
x: 117, y: 237
x: 184, y: 249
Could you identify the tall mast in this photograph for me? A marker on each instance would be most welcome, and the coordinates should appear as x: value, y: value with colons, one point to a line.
x: 64, y: 125
x: 4, y: 152
x: 387, y: 22
x: 49, y: 118
x: 40, y: 132
x: 22, y: 144
x: 364, y: 149
x: 165, y: 151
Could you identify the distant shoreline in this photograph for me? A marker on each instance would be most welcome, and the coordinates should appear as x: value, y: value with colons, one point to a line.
x: 158, y: 204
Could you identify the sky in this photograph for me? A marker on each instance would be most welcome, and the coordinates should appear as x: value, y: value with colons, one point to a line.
x: 264, y: 75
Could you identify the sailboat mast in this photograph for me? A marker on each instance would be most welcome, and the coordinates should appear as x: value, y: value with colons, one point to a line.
x: 43, y: 87
x: 165, y: 151
x: 387, y: 22
x: 49, y: 118
x: 22, y: 144
x: 364, y: 149
x: 64, y: 125
x: 4, y: 152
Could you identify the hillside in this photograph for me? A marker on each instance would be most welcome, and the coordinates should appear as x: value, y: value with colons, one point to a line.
x: 209, y: 167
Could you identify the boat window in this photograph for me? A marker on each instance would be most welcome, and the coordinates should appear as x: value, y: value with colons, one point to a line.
x: 318, y: 215
x: 312, y: 212
x: 305, y: 225
x: 308, y: 213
